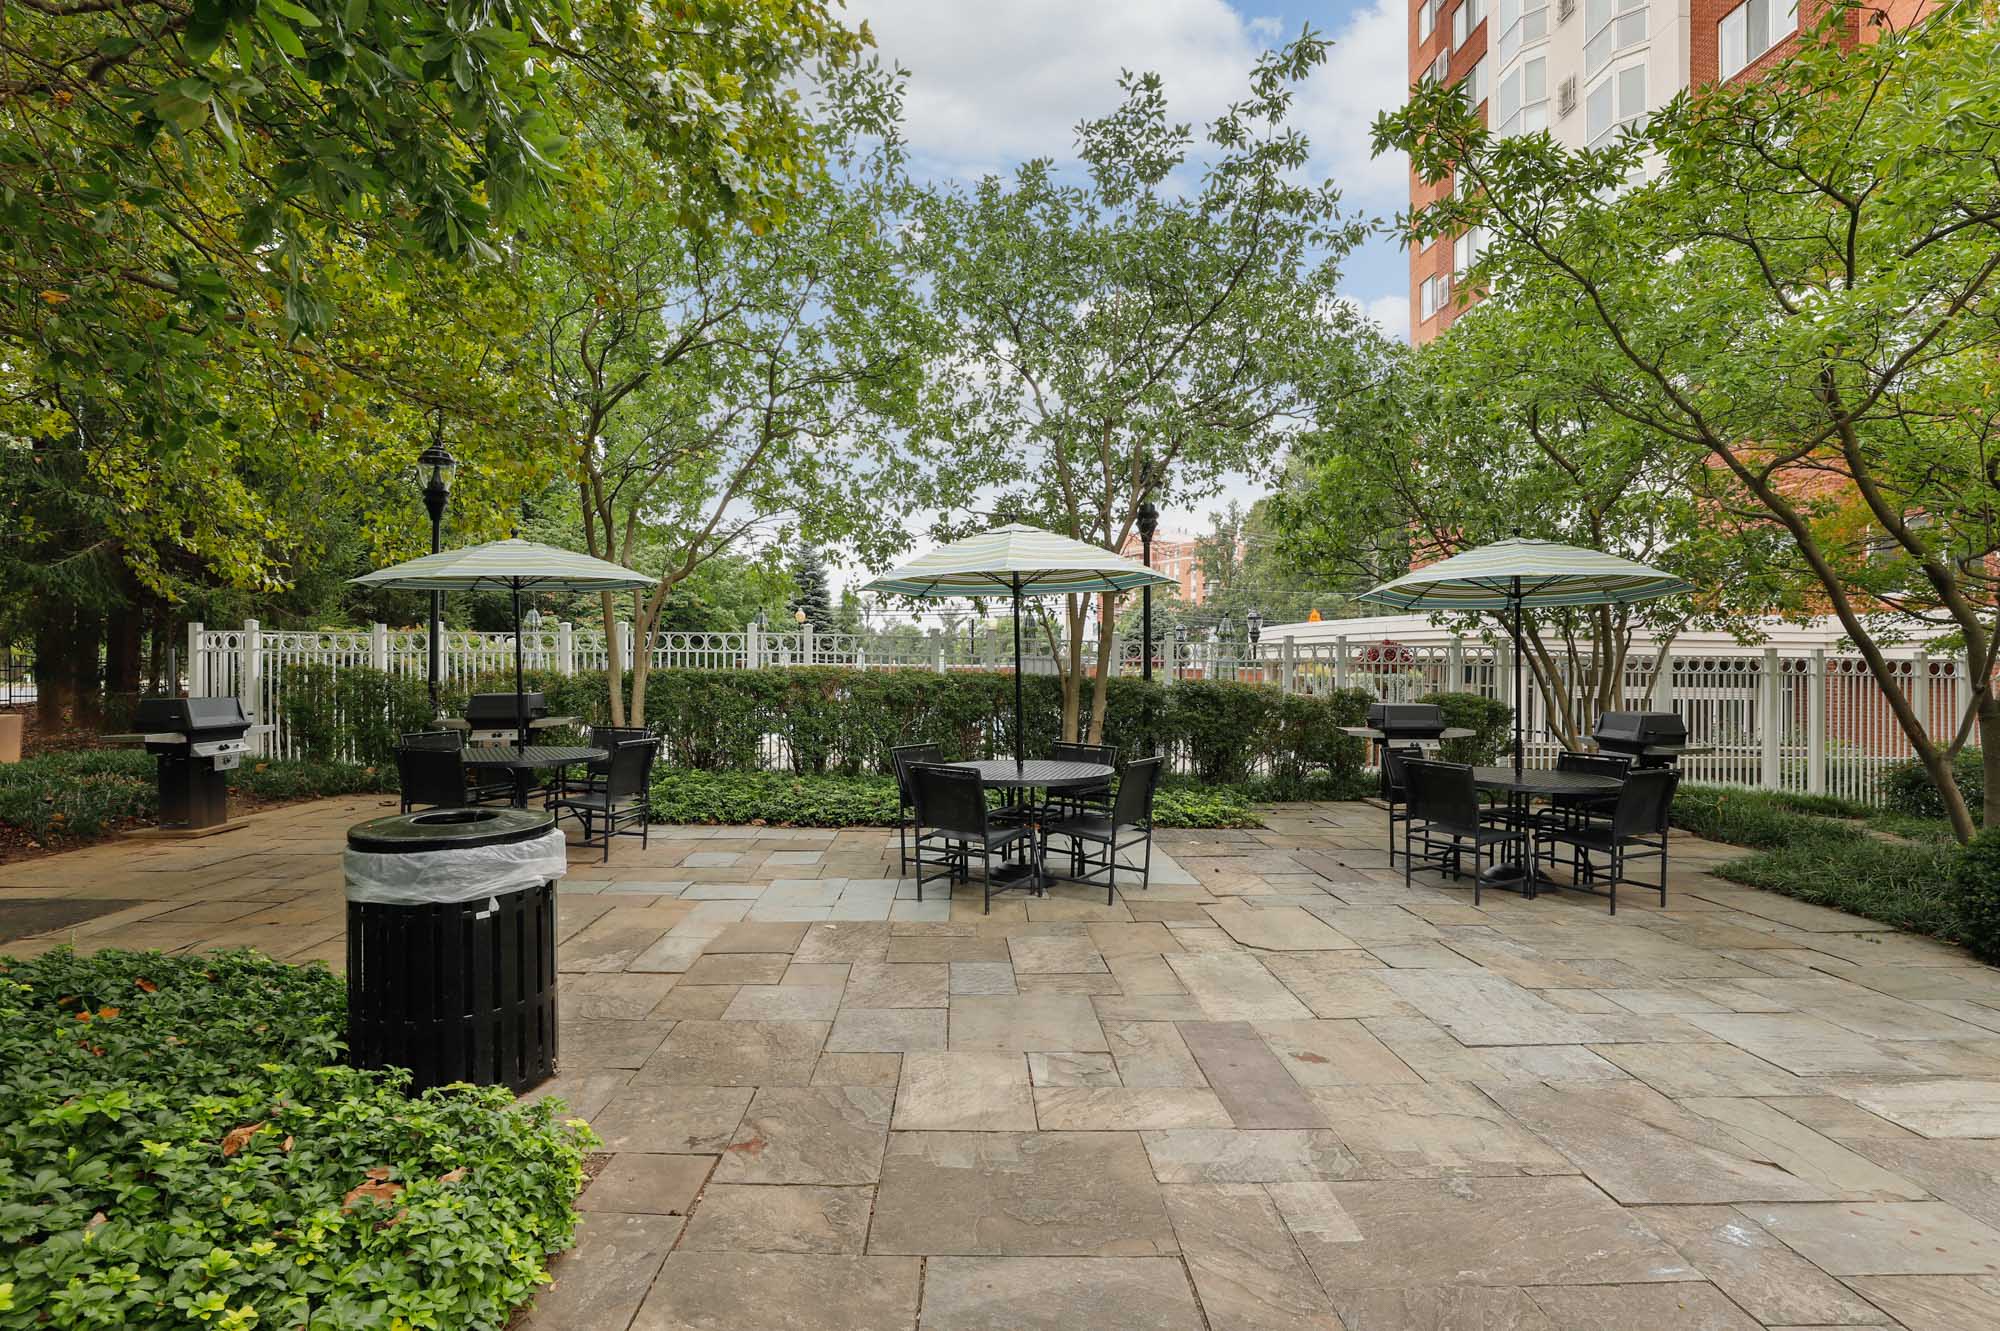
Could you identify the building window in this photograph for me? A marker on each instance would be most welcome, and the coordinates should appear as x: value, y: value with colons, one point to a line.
x: 1432, y: 294
x: 1466, y: 249
x: 1750, y: 29
x: 1611, y: 26
x: 1427, y: 17
x: 1474, y: 84
x: 1615, y: 103
x: 1464, y: 19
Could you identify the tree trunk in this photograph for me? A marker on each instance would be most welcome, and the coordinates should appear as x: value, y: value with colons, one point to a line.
x: 1072, y: 683
x: 53, y: 683
x: 85, y: 640
x: 614, y: 658
x: 1989, y: 757
x: 1107, y: 641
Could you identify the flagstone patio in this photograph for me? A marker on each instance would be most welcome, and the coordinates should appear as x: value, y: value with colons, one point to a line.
x: 1277, y: 1090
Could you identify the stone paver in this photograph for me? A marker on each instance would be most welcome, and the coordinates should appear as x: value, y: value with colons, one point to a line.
x: 1279, y: 1090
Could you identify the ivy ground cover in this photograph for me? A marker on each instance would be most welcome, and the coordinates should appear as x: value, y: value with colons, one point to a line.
x: 181, y: 1145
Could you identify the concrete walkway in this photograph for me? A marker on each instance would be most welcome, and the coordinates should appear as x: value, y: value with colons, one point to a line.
x: 1276, y: 1090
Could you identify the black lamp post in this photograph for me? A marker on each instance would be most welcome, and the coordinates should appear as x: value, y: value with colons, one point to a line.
x: 437, y: 489
x: 1255, y: 619
x: 1149, y: 522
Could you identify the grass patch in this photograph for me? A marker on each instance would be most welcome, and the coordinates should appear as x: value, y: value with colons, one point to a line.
x: 781, y: 799
x: 1819, y: 849
x: 185, y: 1147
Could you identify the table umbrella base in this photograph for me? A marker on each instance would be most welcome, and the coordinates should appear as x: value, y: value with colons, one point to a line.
x: 1514, y: 877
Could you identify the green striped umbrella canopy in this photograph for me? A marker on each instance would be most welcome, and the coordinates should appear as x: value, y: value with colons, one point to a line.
x: 514, y: 566
x: 1510, y: 574
x: 1520, y: 573
x: 1018, y: 560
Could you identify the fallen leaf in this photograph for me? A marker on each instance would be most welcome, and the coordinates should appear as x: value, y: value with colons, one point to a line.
x: 239, y: 1138
x: 455, y: 1176
x: 379, y: 1174
x: 286, y: 1145
x: 106, y: 1013
x: 147, y: 986
x: 375, y: 1191
x: 99, y: 1219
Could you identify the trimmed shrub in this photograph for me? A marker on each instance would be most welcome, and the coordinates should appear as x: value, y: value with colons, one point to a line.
x: 1763, y: 819
x: 186, y: 1147
x: 1490, y: 720
x: 1907, y: 788
x: 351, y: 713
x: 1975, y: 882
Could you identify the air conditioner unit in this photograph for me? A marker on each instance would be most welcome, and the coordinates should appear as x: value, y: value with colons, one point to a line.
x: 1565, y: 8
x: 1566, y: 96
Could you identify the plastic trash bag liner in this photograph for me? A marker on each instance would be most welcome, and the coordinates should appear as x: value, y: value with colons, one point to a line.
x: 438, y: 877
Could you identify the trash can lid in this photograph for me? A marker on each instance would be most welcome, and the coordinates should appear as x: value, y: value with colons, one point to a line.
x: 448, y: 829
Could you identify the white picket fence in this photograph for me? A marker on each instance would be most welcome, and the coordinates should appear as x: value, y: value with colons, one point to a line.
x: 1813, y: 721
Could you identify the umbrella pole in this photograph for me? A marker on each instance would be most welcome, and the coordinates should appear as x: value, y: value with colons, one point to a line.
x: 520, y: 703
x: 1520, y: 699
x: 1020, y: 742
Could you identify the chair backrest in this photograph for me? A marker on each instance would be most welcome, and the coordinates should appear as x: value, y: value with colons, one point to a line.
x: 609, y: 738
x: 430, y: 775
x: 1594, y: 764
x: 1442, y: 793
x: 949, y: 799
x: 1084, y: 753
x: 1393, y: 760
x: 1137, y: 781
x: 451, y: 741
x: 630, y: 769
x: 1644, y: 802
x: 904, y: 756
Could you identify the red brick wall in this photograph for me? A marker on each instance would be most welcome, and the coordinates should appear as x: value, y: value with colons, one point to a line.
x: 1705, y: 14
x: 1436, y: 258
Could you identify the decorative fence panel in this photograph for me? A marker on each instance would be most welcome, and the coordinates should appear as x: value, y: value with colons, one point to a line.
x: 1815, y: 722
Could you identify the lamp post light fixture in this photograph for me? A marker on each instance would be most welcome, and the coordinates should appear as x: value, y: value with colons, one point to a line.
x: 437, y: 490
x: 1255, y: 619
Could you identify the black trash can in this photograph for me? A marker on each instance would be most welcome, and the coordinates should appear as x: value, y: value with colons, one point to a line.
x: 451, y: 945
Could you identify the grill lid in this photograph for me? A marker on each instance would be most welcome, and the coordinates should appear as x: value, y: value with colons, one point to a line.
x: 498, y: 709
x: 1406, y: 720
x: 191, y: 716
x: 1639, y: 730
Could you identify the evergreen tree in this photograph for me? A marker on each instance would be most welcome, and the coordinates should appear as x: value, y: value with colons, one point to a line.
x: 812, y: 596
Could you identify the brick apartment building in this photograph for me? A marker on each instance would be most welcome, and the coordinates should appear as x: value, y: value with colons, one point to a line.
x: 1179, y: 557
x: 1582, y: 70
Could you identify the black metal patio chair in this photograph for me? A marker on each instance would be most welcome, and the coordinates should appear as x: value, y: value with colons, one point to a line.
x: 1446, y: 818
x: 1395, y: 789
x: 901, y: 758
x: 1128, y: 823
x: 1636, y: 829
x: 567, y: 781
x: 431, y: 772
x: 1573, y: 811
x: 950, y: 811
x: 621, y: 801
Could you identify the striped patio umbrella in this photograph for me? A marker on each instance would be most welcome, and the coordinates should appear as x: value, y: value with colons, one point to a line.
x: 1021, y: 561
x: 1518, y: 574
x: 513, y: 566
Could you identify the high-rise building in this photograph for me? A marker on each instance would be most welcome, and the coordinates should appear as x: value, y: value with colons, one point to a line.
x: 1582, y: 70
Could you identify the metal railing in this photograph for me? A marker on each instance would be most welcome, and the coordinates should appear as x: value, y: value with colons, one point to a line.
x: 1807, y: 721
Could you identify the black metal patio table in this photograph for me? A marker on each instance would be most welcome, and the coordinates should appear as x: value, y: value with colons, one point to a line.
x: 1521, y: 788
x: 1035, y: 774
x: 524, y: 761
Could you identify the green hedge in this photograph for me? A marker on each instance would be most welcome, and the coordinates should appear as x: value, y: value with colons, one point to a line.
x: 355, y: 714
x: 79, y: 795
x: 783, y: 799
x: 1907, y: 788
x: 185, y: 1147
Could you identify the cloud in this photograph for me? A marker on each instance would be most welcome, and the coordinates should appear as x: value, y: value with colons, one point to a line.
x: 1366, y: 73
x: 997, y: 81
x: 1393, y: 313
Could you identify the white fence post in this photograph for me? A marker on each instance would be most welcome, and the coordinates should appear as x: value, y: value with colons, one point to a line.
x: 378, y: 647
x: 1340, y: 661
x: 1661, y: 695
x: 1920, y: 689
x: 806, y: 635
x: 938, y: 657
x: 1288, y: 665
x: 1816, y: 724
x: 197, y: 664
x: 1770, y: 725
x: 250, y: 679
x: 565, y: 647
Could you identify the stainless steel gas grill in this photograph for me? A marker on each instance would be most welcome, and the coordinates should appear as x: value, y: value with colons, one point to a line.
x: 195, y: 742
x: 1649, y: 739
x: 495, y: 718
